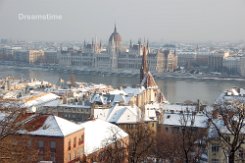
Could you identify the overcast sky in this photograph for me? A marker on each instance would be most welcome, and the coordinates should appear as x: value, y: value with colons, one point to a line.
x: 157, y: 20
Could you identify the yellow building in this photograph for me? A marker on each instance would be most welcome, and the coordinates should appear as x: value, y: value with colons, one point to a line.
x: 218, y: 149
x: 36, y: 56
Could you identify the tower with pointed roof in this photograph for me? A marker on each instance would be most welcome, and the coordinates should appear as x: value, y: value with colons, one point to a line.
x: 144, y: 65
x: 114, y: 48
x: 152, y: 92
x: 115, y: 39
x: 146, y: 78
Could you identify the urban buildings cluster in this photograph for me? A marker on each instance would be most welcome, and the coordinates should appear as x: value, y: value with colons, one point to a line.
x: 115, y: 57
x: 78, y: 122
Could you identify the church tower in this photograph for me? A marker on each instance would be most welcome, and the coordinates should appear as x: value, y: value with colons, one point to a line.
x: 144, y: 65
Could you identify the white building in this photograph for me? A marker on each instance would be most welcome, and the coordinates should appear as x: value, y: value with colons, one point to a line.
x: 232, y: 65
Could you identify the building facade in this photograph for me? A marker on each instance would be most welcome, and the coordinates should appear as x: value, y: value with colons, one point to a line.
x: 117, y: 58
x: 53, y: 138
x: 232, y: 65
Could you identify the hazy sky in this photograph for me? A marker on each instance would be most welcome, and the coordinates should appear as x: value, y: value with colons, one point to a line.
x: 157, y: 20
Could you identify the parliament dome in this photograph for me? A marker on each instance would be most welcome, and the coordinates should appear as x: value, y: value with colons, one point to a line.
x: 115, y: 36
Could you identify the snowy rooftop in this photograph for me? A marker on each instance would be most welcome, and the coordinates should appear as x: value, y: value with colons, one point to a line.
x: 117, y: 91
x: 219, y: 123
x: 133, y: 91
x: 109, y: 98
x: 231, y: 95
x: 99, y: 134
x: 124, y: 114
x: 177, y: 107
x: 119, y: 114
x: 176, y: 119
x: 37, y: 83
x: 49, y: 125
x: 39, y: 99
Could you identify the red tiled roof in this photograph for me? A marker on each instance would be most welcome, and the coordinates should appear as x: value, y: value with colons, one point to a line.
x: 35, y: 123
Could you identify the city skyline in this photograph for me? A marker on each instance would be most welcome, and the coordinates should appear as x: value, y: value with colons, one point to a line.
x: 192, y: 20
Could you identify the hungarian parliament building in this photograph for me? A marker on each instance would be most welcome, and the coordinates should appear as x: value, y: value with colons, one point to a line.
x: 95, y: 57
x: 116, y: 57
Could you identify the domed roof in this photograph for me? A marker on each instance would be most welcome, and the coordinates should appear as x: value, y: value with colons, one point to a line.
x: 115, y: 35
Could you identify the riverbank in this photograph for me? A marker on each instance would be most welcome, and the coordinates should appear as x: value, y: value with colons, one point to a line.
x: 121, y: 73
x: 176, y: 89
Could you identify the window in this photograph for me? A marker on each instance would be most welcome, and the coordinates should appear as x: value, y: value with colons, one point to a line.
x: 75, y: 142
x: 215, y: 148
x: 41, y: 149
x: 241, y: 154
x: 40, y: 144
x: 69, y: 145
x: 52, y: 150
x: 52, y: 144
x: 81, y: 140
x: 29, y: 143
x: 52, y: 156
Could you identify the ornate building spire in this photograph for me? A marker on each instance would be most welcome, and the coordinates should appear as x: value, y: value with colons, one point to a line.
x: 115, y: 28
x: 144, y: 65
x: 115, y: 41
x: 130, y: 44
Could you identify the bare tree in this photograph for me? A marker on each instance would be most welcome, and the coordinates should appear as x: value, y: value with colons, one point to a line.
x: 184, y: 142
x: 166, y: 149
x: 142, y: 142
x: 10, y: 123
x: 232, y: 134
x: 192, y: 138
x: 9, y: 118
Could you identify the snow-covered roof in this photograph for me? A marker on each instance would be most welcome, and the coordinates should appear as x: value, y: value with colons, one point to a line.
x: 11, y: 94
x: 109, y: 98
x: 50, y: 126
x: 176, y: 119
x: 39, y: 100
x: 124, y: 114
x: 99, y: 134
x: 74, y: 106
x: 117, y: 91
x: 134, y: 91
x: 230, y: 95
x: 53, y: 103
x: 119, y: 114
x: 177, y: 107
x: 37, y: 83
x: 220, y: 125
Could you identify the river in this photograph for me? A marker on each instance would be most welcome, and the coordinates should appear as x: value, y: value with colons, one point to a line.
x: 175, y: 90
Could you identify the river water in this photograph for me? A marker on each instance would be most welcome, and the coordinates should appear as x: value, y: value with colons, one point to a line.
x: 175, y: 90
